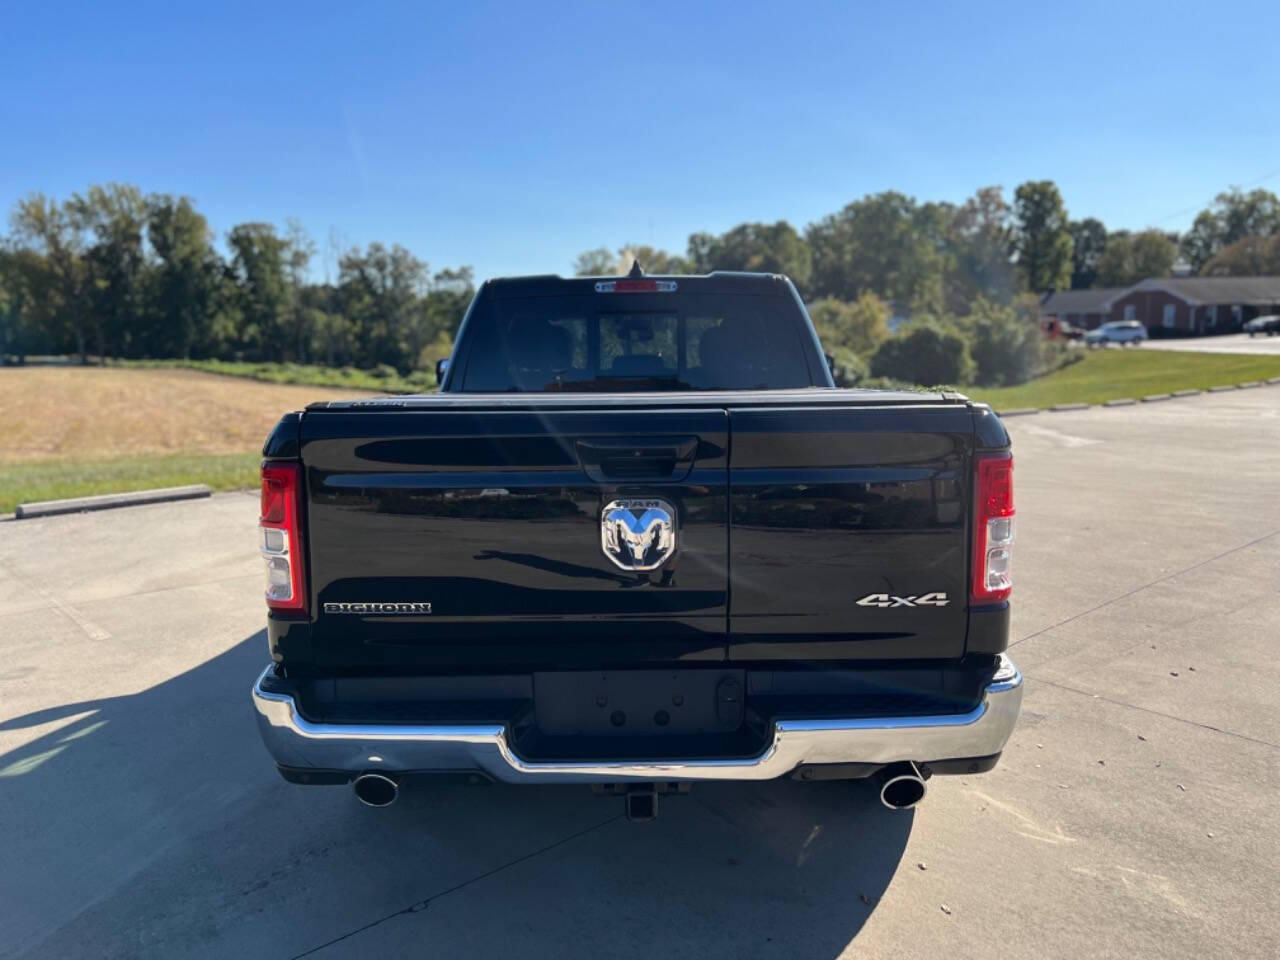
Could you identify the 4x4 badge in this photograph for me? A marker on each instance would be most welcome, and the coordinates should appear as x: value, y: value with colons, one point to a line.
x: 888, y: 600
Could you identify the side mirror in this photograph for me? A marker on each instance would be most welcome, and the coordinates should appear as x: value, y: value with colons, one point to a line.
x: 442, y: 367
x: 831, y: 362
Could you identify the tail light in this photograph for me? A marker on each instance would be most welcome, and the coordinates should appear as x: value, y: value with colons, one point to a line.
x: 281, y: 539
x: 636, y: 286
x: 992, y: 528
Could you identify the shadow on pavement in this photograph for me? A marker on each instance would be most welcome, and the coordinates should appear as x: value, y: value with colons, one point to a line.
x: 154, y: 824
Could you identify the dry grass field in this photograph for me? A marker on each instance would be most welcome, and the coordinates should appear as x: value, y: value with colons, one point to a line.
x: 79, y: 412
x: 73, y: 431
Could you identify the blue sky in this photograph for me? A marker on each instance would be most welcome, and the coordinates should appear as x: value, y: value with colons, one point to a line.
x: 511, y: 138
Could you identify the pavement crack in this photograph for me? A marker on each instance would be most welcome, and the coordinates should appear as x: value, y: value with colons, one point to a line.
x: 419, y: 905
x: 1145, y: 586
x: 52, y: 603
x: 1157, y: 713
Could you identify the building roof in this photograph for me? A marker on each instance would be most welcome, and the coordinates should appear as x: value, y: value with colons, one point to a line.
x: 1214, y: 290
x: 1097, y: 300
x: 1254, y: 291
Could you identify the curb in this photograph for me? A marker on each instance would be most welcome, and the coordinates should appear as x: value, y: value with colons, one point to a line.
x: 1129, y: 401
x: 109, y: 501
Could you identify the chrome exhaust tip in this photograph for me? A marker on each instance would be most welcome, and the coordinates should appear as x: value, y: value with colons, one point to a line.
x: 376, y: 790
x: 901, y: 786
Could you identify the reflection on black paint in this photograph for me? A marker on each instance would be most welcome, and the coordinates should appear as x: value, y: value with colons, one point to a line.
x: 908, y: 505
x: 486, y: 503
x: 562, y: 568
x: 831, y: 505
x: 492, y: 518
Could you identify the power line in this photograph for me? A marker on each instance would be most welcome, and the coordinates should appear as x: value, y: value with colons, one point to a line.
x: 1200, y: 206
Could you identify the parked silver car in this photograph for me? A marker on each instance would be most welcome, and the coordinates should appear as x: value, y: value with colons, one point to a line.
x: 1123, y: 332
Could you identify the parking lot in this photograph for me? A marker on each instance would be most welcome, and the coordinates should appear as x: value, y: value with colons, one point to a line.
x: 1134, y: 813
x: 1229, y: 343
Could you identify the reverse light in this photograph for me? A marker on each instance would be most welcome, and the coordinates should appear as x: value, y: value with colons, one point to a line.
x: 992, y: 528
x: 280, y: 540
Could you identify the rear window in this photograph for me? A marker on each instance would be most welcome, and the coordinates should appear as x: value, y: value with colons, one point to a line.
x: 636, y: 342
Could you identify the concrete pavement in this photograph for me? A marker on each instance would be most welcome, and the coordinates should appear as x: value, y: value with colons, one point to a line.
x: 1134, y: 813
x: 1228, y: 343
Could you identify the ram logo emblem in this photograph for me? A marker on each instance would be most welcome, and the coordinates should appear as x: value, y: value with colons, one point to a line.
x: 638, y: 534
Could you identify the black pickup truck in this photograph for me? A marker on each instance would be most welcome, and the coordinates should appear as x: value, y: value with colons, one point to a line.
x: 637, y: 540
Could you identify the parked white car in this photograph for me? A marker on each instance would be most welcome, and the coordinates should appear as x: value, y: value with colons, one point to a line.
x: 1123, y: 332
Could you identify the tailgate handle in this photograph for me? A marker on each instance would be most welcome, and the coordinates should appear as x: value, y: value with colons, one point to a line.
x: 638, y: 458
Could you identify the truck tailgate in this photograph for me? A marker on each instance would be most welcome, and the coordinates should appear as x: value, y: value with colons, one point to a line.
x: 849, y: 532
x: 804, y: 533
x: 494, y: 519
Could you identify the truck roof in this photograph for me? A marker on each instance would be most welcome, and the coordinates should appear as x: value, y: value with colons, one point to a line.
x: 721, y: 281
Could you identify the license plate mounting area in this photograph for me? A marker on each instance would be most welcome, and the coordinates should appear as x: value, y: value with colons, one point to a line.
x: 639, y: 702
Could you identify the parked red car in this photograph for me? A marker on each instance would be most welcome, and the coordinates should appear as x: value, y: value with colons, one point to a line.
x: 1056, y: 329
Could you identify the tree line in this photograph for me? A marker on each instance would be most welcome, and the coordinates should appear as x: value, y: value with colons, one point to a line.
x: 937, y: 256
x: 116, y: 272
x: 961, y: 283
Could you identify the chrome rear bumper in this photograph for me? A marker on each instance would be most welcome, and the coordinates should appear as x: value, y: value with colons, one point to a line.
x: 298, y: 743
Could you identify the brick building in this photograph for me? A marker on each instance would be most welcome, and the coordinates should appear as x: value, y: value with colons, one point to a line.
x: 1174, y: 306
x: 1171, y: 306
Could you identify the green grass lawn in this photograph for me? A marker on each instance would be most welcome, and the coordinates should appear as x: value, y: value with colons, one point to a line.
x: 1111, y: 374
x: 58, y: 479
x: 382, y: 380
